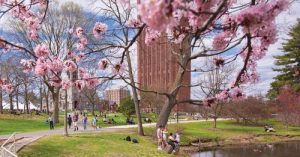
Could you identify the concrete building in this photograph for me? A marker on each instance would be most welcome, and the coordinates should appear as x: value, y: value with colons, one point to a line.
x: 157, y: 69
x: 116, y: 95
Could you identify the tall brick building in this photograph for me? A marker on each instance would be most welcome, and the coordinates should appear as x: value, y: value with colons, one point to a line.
x: 116, y: 95
x: 157, y: 69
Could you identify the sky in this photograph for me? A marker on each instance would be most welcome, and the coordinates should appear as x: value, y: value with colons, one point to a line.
x: 284, y: 22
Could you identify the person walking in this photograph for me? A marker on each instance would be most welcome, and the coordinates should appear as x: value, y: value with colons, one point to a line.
x: 84, y: 122
x: 50, y: 119
x: 75, y: 120
x: 159, y: 135
x: 94, y: 122
x: 69, y: 121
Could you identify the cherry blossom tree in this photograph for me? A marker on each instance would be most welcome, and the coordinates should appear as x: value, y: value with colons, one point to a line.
x: 245, y: 28
x: 242, y: 30
x: 288, y: 107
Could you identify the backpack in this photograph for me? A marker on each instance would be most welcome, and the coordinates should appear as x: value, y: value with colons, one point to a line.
x: 135, y: 140
x: 128, y: 138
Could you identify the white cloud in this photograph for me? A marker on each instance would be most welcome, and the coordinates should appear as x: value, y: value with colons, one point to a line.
x: 283, y: 22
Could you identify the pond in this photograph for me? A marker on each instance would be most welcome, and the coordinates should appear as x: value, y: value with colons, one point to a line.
x: 286, y: 149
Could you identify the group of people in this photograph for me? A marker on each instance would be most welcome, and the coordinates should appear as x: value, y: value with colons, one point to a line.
x: 75, y: 118
x: 163, y: 138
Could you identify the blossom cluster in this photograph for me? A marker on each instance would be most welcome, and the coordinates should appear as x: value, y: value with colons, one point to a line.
x: 6, y: 86
x: 228, y: 94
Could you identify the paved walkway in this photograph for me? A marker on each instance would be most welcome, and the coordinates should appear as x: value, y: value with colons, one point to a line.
x: 27, y: 138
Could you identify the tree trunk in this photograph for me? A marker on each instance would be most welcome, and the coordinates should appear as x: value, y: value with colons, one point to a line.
x: 17, y: 99
x: 26, y: 99
x: 11, y: 103
x: 215, y: 122
x: 165, y: 113
x: 135, y: 96
x: 55, y: 98
x: 93, y: 109
x: 41, y: 98
x: 1, y: 104
x: 65, y: 115
x: 47, y: 101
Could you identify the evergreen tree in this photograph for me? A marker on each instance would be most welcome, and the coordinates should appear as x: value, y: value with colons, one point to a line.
x: 288, y: 64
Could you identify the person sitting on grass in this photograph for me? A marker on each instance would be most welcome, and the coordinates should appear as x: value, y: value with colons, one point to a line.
x: 269, y: 128
x: 172, y: 141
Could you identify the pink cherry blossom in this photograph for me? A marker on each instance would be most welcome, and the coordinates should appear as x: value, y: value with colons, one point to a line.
x: 41, y: 50
x: 91, y: 83
x: 208, y: 101
x: 32, y: 23
x: 55, y: 81
x: 151, y: 36
x: 156, y: 14
x: 70, y: 66
x: 82, y: 43
x: 41, y: 67
x: 236, y: 93
x: 79, y: 84
x: 223, y: 95
x: 79, y: 32
x: 118, y: 69
x: 103, y: 64
x: 56, y: 64
x: 33, y: 34
x: 221, y: 41
x: 28, y: 65
x: 99, y: 30
x: 66, y: 84
x: 79, y: 57
x: 71, y: 54
x: 134, y: 23
x: 82, y: 72
x: 2, y: 2
x: 8, y: 88
x: 218, y: 61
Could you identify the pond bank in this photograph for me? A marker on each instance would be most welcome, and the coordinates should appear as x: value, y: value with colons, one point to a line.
x: 246, y: 140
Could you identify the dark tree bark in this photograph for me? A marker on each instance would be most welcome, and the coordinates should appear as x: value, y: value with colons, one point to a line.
x: 55, y: 98
x: 26, y: 98
x: 47, y: 100
x: 17, y: 98
x: 65, y: 114
x: 11, y: 108
x: 135, y: 97
x: 1, y: 104
x: 41, y: 98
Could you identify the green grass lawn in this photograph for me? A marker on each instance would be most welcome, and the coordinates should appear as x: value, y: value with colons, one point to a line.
x: 89, y: 145
x: 225, y: 130
x: 110, y: 144
x: 23, y: 123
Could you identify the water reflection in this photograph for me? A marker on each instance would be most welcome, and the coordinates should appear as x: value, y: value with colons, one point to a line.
x: 287, y: 149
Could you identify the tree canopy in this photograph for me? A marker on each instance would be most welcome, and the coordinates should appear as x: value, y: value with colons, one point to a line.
x: 127, y: 107
x: 288, y: 64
